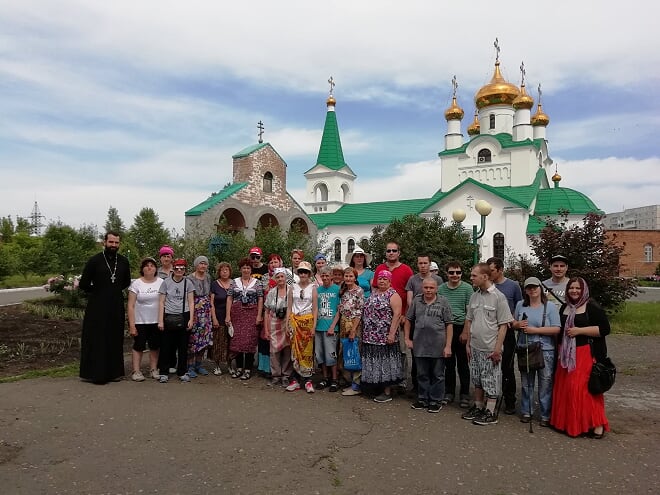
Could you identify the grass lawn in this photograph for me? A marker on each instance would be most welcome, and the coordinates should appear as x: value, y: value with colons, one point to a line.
x: 59, y: 372
x: 637, y: 319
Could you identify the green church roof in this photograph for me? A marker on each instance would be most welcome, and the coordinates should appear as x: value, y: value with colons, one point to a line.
x: 505, y: 140
x: 382, y: 212
x: 330, y: 152
x: 549, y: 202
x: 216, y: 198
x: 249, y: 150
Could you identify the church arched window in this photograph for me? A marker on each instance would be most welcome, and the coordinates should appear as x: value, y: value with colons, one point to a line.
x: 351, y: 245
x: 337, y: 253
x: 345, y: 191
x: 321, y: 192
x: 492, y: 121
x: 498, y: 245
x: 484, y: 156
x: 268, y: 182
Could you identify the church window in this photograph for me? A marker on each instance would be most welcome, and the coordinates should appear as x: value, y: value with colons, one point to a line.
x: 498, y: 245
x: 484, y: 156
x: 321, y: 191
x: 345, y: 192
x: 648, y: 253
x: 268, y: 182
x: 337, y: 253
x: 351, y: 245
x: 492, y: 120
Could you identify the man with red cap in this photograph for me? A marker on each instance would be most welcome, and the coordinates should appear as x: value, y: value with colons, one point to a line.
x: 259, y: 269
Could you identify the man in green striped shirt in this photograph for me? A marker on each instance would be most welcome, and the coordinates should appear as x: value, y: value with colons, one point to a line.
x: 458, y: 294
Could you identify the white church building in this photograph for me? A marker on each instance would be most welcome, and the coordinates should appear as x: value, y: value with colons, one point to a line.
x: 504, y: 161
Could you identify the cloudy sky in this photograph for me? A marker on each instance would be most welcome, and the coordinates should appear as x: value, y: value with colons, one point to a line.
x: 135, y: 104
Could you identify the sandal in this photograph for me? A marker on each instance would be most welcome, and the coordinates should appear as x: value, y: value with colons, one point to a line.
x: 322, y: 384
x: 334, y: 386
x: 245, y: 375
x: 236, y: 373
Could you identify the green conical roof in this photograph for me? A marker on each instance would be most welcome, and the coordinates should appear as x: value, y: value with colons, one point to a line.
x: 330, y: 152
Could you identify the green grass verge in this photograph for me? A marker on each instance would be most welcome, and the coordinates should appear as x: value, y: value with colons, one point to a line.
x: 648, y: 283
x: 637, y: 319
x: 18, y: 281
x: 59, y: 372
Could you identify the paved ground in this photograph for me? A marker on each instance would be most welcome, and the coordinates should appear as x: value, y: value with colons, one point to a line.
x: 16, y: 296
x: 218, y: 435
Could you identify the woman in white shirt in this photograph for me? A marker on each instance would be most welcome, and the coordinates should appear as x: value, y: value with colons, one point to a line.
x: 143, y: 317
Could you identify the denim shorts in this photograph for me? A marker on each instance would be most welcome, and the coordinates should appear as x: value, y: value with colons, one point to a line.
x: 325, y: 348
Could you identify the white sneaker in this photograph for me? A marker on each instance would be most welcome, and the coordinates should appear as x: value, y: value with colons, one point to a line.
x: 163, y: 379
x: 309, y: 387
x: 293, y: 386
x: 185, y: 378
x: 137, y: 376
x: 155, y: 374
x: 217, y: 371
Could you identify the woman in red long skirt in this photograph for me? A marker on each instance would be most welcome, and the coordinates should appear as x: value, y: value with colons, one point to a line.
x: 584, y: 327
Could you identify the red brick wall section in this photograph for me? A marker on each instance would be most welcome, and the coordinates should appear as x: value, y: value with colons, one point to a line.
x: 251, y: 169
x: 633, y: 242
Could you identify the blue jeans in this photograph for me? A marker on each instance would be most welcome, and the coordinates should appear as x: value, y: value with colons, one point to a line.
x: 430, y: 379
x: 545, y: 386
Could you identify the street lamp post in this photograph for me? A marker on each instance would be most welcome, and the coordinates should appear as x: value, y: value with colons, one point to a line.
x: 483, y: 208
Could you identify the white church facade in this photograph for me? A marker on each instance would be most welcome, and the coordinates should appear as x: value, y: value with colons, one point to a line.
x: 505, y: 161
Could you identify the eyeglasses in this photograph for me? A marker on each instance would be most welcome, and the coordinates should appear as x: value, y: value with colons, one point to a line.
x: 391, y: 250
x: 255, y: 256
x: 179, y: 267
x: 454, y: 272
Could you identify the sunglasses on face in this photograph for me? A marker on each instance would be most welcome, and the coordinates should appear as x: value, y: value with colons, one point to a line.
x: 454, y: 272
x: 255, y: 256
x: 391, y: 250
x: 179, y: 267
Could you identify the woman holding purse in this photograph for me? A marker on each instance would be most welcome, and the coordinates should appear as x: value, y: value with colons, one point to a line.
x: 584, y: 326
x: 537, y: 323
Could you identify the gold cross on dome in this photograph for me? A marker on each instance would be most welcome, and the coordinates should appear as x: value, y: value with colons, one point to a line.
x: 497, y: 50
x: 331, y: 81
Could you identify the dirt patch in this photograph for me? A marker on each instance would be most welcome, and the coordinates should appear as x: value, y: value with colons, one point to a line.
x: 29, y: 342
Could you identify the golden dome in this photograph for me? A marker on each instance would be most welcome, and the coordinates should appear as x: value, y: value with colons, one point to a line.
x: 474, y: 128
x: 454, y: 112
x: 331, y: 100
x: 497, y: 92
x: 523, y: 100
x: 556, y: 177
x: 540, y: 118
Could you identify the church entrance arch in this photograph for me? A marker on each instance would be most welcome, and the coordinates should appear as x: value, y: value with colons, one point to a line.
x: 299, y: 225
x: 268, y: 220
x: 231, y: 220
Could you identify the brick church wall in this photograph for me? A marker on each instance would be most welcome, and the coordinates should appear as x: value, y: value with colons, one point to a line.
x: 633, y: 242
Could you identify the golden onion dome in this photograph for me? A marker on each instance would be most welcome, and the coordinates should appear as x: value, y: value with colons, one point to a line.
x: 540, y: 118
x: 331, y: 100
x: 454, y: 112
x: 523, y: 100
x: 474, y: 128
x: 497, y: 92
x: 556, y: 177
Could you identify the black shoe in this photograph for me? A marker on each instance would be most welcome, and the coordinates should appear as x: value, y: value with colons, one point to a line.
x: 510, y: 409
x: 526, y: 418
x: 434, y: 407
x: 420, y: 404
x: 322, y: 384
x: 544, y: 423
x: 488, y: 418
x: 472, y: 413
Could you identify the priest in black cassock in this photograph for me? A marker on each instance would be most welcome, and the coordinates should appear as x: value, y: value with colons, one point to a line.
x: 104, y: 278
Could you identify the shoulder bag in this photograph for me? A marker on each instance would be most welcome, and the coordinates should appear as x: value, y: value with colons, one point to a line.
x: 530, y: 356
x: 603, y: 374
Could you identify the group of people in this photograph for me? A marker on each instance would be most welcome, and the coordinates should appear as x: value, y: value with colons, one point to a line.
x: 286, y: 322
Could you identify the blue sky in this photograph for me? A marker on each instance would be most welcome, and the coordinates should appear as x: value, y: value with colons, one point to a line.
x: 135, y: 104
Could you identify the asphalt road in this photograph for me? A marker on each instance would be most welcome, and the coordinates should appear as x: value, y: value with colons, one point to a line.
x: 218, y: 435
x: 16, y: 296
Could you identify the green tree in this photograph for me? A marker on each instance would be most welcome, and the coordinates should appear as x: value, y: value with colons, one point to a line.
x: 114, y: 221
x: 24, y: 255
x: 23, y: 226
x: 591, y: 255
x: 147, y: 235
x: 65, y: 250
x: 6, y: 229
x: 416, y: 235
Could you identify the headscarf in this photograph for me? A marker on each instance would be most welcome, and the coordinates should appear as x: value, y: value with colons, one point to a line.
x: 567, y: 354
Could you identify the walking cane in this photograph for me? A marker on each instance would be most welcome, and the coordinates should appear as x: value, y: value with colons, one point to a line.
x: 531, y: 396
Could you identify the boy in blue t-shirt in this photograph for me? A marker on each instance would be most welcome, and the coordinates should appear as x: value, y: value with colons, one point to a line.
x: 325, y: 337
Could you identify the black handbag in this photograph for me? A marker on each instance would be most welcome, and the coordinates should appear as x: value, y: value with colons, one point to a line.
x: 603, y: 375
x: 530, y: 356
